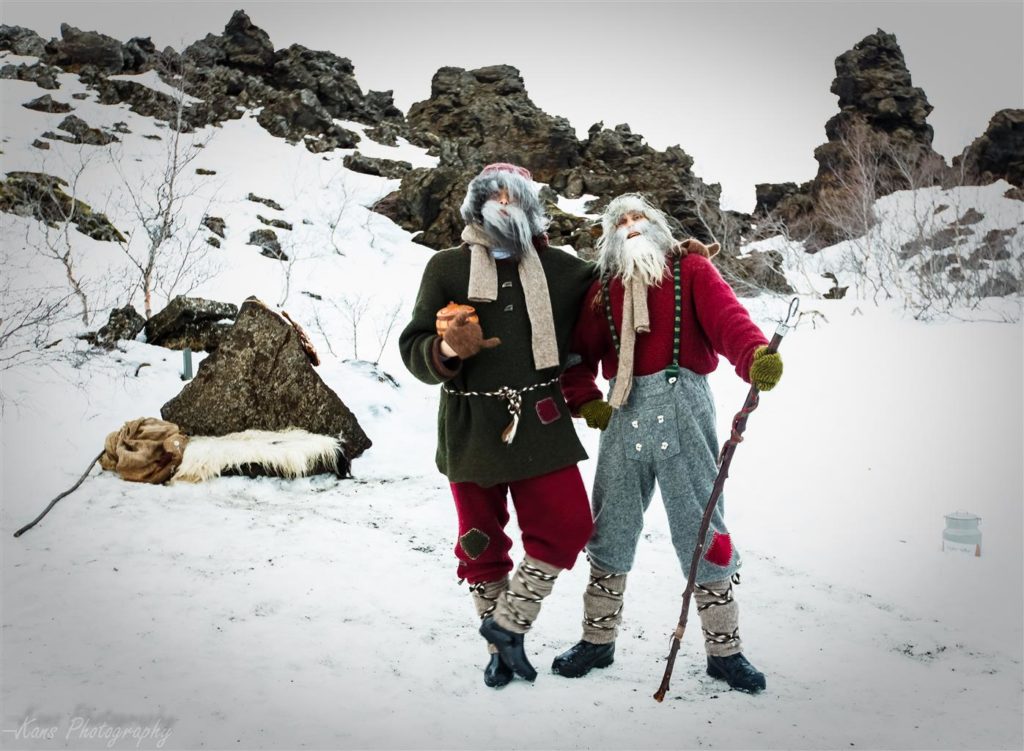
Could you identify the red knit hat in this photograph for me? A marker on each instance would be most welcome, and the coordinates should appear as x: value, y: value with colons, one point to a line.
x: 507, y: 167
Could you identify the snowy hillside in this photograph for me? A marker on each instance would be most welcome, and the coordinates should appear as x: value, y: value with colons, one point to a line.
x: 319, y: 613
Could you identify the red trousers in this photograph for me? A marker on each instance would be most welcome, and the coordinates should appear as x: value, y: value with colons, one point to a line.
x: 554, y: 516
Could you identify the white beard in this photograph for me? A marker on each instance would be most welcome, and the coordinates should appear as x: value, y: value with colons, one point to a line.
x: 639, y: 257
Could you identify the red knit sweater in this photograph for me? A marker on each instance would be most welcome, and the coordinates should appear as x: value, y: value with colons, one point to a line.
x: 713, y: 322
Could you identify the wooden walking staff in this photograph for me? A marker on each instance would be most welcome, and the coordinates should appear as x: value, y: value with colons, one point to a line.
x: 739, y: 424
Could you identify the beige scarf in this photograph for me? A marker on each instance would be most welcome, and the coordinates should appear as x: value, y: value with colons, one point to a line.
x: 635, y: 319
x: 483, y: 287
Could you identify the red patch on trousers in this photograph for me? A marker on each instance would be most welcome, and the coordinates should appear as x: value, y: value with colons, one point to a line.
x: 547, y: 410
x: 720, y: 550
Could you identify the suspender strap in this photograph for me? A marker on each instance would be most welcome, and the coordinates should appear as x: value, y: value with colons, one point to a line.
x: 672, y: 371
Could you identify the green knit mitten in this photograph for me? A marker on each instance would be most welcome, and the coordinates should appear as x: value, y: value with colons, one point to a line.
x: 766, y: 369
x: 597, y: 413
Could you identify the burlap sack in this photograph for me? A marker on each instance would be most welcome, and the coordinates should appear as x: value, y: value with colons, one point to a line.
x: 144, y: 450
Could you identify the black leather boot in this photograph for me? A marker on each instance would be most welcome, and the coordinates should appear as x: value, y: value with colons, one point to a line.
x: 510, y: 646
x: 578, y: 660
x: 497, y: 673
x: 737, y: 671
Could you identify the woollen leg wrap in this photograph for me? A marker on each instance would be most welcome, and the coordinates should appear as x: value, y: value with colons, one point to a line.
x: 485, y: 598
x: 719, y: 618
x: 531, y: 582
x: 602, y: 605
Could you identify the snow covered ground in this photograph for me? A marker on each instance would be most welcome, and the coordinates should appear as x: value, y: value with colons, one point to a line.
x: 318, y: 613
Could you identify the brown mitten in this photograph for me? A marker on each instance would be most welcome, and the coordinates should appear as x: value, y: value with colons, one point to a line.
x: 466, y: 337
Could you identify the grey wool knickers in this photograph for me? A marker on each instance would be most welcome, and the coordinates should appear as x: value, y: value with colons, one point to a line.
x: 665, y: 433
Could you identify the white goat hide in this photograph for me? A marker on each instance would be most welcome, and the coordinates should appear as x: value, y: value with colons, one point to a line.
x: 287, y: 453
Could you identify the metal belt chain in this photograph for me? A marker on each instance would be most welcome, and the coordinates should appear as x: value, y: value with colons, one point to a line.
x: 513, y: 396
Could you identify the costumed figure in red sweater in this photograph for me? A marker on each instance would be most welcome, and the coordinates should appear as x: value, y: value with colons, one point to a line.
x: 656, y: 322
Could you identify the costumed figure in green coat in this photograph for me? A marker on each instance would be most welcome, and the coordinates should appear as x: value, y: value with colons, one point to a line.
x: 506, y: 302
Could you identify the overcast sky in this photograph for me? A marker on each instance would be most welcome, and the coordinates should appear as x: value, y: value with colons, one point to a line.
x: 743, y: 87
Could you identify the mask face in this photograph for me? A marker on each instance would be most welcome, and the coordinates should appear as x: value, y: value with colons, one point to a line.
x: 508, y: 225
x: 635, y: 249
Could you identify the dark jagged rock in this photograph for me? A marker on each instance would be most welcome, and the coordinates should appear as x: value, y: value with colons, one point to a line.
x: 379, y: 105
x: 568, y: 229
x: 260, y: 377
x: 268, y: 202
x: 428, y: 200
x: 46, y: 103
x: 240, y: 68
x: 874, y: 88
x: 41, y: 196
x: 83, y: 133
x: 143, y: 100
x: 222, y: 92
x: 873, y: 81
x: 369, y: 165
x: 246, y: 46
x: 266, y: 240
x: 40, y: 144
x: 139, y: 54
x: 768, y: 196
x: 332, y: 81
x: 66, y: 137
x: 490, y: 117
x: 616, y: 161
x: 190, y: 322
x: 880, y: 112
x: 21, y: 41
x: 229, y: 73
x: 300, y: 114
x: 215, y: 224
x: 279, y: 223
x: 753, y: 273
x: 243, y: 45
x: 77, y: 48
x: 42, y: 75
x: 998, y: 153
x: 385, y: 133
x: 485, y: 115
x: 123, y: 323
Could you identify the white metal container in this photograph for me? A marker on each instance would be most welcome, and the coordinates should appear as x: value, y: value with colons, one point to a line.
x: 961, y: 534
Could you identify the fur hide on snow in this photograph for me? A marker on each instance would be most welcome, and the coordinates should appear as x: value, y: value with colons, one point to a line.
x: 287, y: 453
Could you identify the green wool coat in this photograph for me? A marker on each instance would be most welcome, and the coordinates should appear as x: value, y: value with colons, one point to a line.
x: 469, y: 428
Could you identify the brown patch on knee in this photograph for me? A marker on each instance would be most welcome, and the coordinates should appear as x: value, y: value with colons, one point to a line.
x: 474, y: 543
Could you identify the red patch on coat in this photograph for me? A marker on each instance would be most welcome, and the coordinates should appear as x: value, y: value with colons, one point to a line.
x: 720, y: 550
x: 547, y: 410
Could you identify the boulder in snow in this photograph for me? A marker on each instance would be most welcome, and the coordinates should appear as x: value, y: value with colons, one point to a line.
x: 260, y: 377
